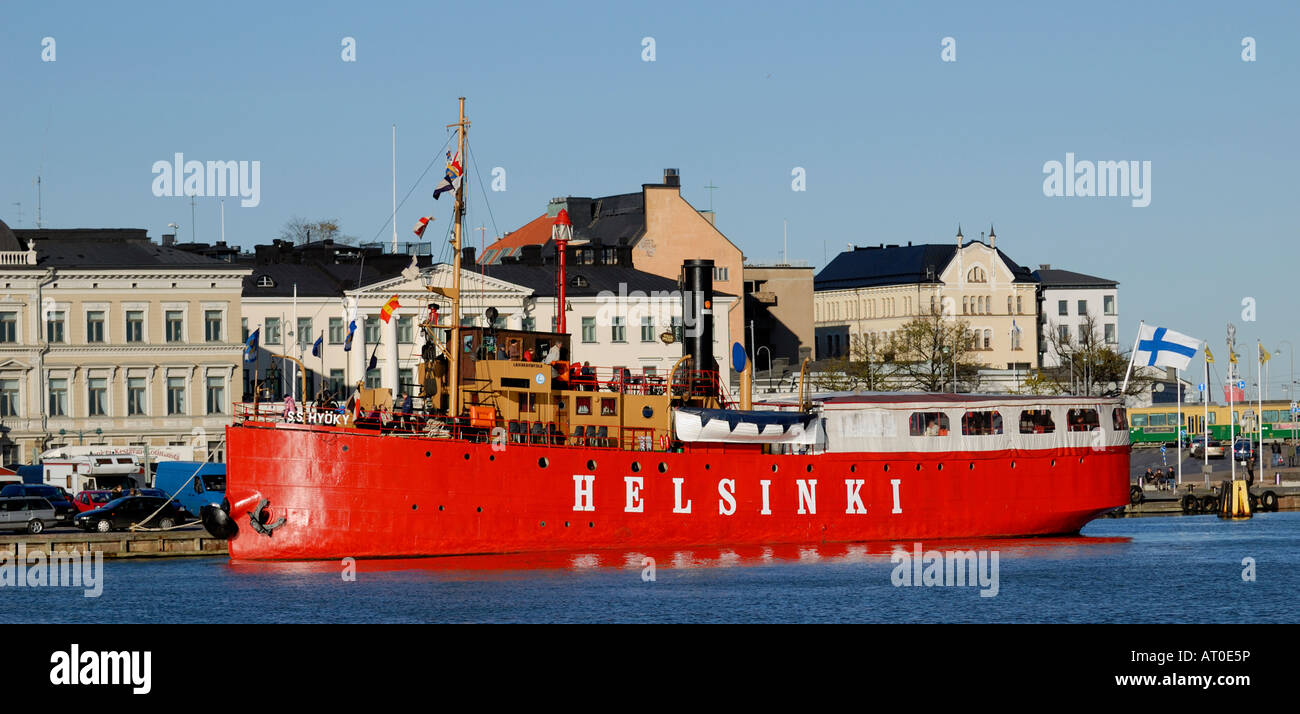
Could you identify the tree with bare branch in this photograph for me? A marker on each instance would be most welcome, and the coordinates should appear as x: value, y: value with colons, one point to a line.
x: 299, y: 231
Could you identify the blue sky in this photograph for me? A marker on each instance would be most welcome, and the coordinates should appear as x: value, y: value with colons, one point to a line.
x: 896, y: 144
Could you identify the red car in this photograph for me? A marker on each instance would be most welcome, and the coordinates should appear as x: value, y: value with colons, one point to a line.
x: 90, y: 500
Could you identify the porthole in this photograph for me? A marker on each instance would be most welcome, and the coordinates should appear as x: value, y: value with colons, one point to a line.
x: 480, y: 509
x: 773, y: 468
x: 663, y: 468
x: 636, y: 467
x: 414, y: 506
x: 439, y: 508
x: 591, y: 464
x: 1080, y: 459
x: 972, y: 466
x: 1013, y: 464
x: 918, y: 467
x: 566, y: 524
x: 707, y: 467
x: 542, y: 524
x: 467, y: 457
x: 427, y: 454
x: 492, y: 457
x: 591, y: 524
x: 647, y: 412
x: 853, y: 468
x: 1053, y: 463
x: 886, y: 467
x: 345, y: 448
x: 543, y: 463
x: 939, y: 467
x: 809, y: 468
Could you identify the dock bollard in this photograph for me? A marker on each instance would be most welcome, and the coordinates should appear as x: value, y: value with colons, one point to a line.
x: 1277, y: 479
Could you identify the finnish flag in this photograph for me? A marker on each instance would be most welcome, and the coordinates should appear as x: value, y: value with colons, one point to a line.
x: 1162, y: 347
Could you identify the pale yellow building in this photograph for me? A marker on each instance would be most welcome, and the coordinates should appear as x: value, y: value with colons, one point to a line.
x: 107, y: 338
x: 870, y: 292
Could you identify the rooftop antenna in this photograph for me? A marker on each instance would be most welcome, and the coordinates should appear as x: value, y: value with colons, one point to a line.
x: 38, y: 199
x: 711, y: 187
x: 192, y: 238
x: 223, y: 220
x: 49, y: 118
x: 785, y: 241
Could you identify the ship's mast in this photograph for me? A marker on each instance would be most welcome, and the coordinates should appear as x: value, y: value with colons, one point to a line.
x: 459, y: 218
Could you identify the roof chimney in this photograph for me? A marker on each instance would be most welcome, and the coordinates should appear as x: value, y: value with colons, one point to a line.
x: 1044, y: 266
x: 168, y: 239
x: 672, y: 178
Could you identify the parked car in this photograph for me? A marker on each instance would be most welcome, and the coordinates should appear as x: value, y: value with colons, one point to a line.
x: 1243, y: 450
x: 58, y: 498
x: 90, y: 500
x: 28, y: 513
x: 1199, y: 448
x: 123, y: 512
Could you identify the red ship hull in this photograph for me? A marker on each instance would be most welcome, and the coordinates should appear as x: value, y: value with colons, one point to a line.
x: 351, y: 493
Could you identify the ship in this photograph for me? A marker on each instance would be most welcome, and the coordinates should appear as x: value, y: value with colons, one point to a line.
x: 516, y: 449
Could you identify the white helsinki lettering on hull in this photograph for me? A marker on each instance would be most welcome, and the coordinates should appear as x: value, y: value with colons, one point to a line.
x: 854, y: 499
x: 727, y: 500
x: 677, y: 497
x: 897, y: 507
x: 583, y: 487
x: 634, y: 502
x: 807, y: 496
x: 767, y: 511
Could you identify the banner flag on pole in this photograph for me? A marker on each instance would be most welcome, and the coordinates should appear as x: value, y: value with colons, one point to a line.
x: 1162, y: 347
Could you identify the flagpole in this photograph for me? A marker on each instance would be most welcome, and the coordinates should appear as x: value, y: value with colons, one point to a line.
x: 1232, y: 413
x: 1259, y: 397
x: 1132, y: 355
x: 1178, y: 428
x: 1205, y: 401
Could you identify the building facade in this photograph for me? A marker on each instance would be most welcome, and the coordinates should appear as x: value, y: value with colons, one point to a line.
x: 779, y: 310
x: 1069, y: 302
x: 107, y: 338
x: 867, y: 294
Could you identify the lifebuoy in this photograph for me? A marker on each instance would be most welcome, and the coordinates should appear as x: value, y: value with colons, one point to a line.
x: 1268, y: 501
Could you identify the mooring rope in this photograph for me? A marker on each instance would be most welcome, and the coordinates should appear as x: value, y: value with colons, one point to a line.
x: 137, y: 527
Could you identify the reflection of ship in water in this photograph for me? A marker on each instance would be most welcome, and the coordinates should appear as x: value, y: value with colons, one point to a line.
x: 491, y: 566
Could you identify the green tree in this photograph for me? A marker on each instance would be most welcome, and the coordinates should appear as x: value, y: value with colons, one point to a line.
x: 923, y: 352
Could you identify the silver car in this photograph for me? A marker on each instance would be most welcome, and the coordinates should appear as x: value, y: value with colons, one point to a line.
x: 27, y: 513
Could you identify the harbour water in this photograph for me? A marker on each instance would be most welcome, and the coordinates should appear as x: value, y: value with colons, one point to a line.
x: 1173, y: 569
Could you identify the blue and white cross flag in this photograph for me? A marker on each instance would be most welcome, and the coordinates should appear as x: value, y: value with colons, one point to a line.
x: 1161, y: 347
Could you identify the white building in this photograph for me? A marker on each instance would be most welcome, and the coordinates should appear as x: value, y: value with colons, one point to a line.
x: 1067, y: 299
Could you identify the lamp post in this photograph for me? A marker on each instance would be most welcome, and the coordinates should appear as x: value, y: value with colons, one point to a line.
x: 769, y: 364
x: 1290, y: 385
x: 81, y: 435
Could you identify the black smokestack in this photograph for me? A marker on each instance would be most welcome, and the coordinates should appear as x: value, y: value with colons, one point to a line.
x: 697, y: 313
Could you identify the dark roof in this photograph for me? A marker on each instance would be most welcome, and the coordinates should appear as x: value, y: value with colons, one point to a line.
x: 107, y: 248
x: 8, y: 241
x: 321, y: 279
x: 872, y: 266
x: 610, y: 220
x: 1069, y: 279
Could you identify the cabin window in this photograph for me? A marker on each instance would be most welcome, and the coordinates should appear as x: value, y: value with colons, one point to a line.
x: 928, y: 424
x: 1140, y: 420
x: 1083, y: 419
x: 582, y: 405
x: 528, y: 402
x: 1118, y: 417
x: 1037, y: 421
x: 981, y: 423
x: 609, y: 407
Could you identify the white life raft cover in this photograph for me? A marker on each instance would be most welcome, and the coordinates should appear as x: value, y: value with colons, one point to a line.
x: 736, y: 426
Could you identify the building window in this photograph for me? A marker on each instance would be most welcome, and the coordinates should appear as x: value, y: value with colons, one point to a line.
x: 405, y: 382
x: 1063, y: 333
x: 135, y: 325
x: 1083, y: 334
x: 1015, y: 339
x: 1108, y: 304
x: 217, y: 395
x: 243, y: 329
x: 97, y: 396
x: 306, y: 335
x: 95, y: 326
x: 529, y: 324
x: 265, y: 281
x: 175, y: 322
x: 988, y: 339
x: 374, y: 379
x: 719, y: 274
x: 1063, y: 307
x: 1083, y: 308
x: 54, y: 327
x: 336, y: 331
x: 1019, y: 309
x: 8, y: 327
x: 272, y: 336
x: 965, y: 306
x: 405, y: 331
x: 9, y: 397
x: 175, y: 395
x: 1008, y: 304
x: 647, y: 329
x: 676, y: 324
x: 58, y: 397
x: 135, y: 396
x: 212, y: 325
x: 588, y: 329
x: 1110, y: 334
x: 617, y: 330
x: 372, y: 330
x: 336, y: 382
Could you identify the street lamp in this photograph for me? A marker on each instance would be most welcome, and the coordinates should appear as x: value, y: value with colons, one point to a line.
x: 1290, y: 385
x: 81, y: 435
x: 769, y: 363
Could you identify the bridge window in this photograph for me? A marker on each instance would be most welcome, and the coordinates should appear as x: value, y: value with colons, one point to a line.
x: 1118, y: 417
x: 582, y: 405
x: 982, y: 423
x: 609, y: 407
x: 928, y: 424
x: 1083, y: 419
x: 1037, y: 421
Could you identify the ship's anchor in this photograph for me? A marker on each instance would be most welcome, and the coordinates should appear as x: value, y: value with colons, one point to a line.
x: 257, y: 516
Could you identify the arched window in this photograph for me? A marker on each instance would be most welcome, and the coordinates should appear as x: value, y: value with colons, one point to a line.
x: 988, y: 339
x: 976, y: 275
x: 965, y: 302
